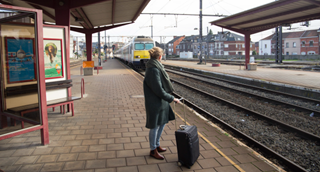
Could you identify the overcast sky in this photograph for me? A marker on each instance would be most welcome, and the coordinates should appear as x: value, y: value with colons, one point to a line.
x: 170, y: 26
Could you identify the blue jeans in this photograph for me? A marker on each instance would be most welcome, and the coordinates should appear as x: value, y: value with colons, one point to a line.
x: 154, y: 136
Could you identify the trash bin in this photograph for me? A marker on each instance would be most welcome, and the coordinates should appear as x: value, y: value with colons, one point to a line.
x: 88, y: 68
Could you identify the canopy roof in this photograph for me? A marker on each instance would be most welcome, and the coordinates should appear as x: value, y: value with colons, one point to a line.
x: 282, y: 12
x: 87, y: 14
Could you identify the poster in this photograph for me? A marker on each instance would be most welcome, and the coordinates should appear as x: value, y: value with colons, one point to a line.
x: 53, y: 58
x: 20, y: 59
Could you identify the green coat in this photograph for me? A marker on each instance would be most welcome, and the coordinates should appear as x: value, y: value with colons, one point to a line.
x: 157, y: 100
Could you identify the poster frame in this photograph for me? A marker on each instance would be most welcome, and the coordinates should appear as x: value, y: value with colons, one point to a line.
x: 7, y: 60
x: 62, y: 57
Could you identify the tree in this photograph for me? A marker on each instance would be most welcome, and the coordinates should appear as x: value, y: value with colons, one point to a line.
x: 254, y: 52
x: 210, y: 32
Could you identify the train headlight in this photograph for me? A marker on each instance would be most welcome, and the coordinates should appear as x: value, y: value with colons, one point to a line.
x: 137, y: 57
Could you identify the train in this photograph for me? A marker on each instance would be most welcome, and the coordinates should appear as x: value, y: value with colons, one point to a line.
x: 135, y: 52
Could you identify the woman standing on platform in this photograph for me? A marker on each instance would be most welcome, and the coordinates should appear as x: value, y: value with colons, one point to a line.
x: 157, y: 88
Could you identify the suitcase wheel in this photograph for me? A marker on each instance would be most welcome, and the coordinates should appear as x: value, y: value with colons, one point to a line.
x: 179, y: 164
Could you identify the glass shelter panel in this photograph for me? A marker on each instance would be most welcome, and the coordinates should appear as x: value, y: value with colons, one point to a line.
x: 19, y: 71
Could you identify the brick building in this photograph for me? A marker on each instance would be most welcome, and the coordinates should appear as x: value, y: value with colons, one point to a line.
x: 172, y: 45
x: 309, y: 42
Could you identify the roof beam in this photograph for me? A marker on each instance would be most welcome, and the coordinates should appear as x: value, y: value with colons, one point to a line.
x: 5, y: 3
x: 43, y: 10
x: 84, y: 17
x: 42, y: 2
x: 96, y: 29
x: 259, y: 9
x: 142, y: 6
x: 113, y: 11
x: 289, y: 21
x: 314, y: 2
x: 276, y: 15
x: 81, y: 3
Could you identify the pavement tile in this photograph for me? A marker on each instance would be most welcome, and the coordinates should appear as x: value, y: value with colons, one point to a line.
x: 208, y: 163
x: 116, y: 162
x: 206, y: 170
x: 106, y: 141
x: 226, y: 168
x: 121, y: 130
x: 68, y: 157
x: 8, y: 161
x: 58, y: 150
x: 118, y: 146
x: 210, y: 154
x: 17, y: 140
x: 129, y: 134
x: 142, y: 152
x: 73, y: 143
x: 240, y: 149
x: 132, y: 146
x: 263, y: 166
x: 122, y: 140
x: 248, y: 167
x: 149, y: 168
x: 68, y: 137
x: 27, y: 160
x: 95, y: 164
x: 94, y: 148
x: 128, y: 169
x: 138, y: 139
x: 125, y: 153
x: 195, y: 166
x: 173, y: 166
x: 106, y: 154
x: 42, y: 151
x: 244, y: 158
x: 90, y: 142
x: 6, y: 153
x: 87, y: 156
x: 54, y: 143
x: 30, y: 168
x: 106, y: 170
x: 79, y: 149
x: 223, y: 161
x: 75, y: 165
x: 226, y: 144
x: 113, y: 135
x: 151, y: 160
x: 47, y: 158
x: 171, y: 157
x: 99, y: 136
x: 14, y: 168
x: 23, y: 152
x: 136, y: 161
x: 83, y: 136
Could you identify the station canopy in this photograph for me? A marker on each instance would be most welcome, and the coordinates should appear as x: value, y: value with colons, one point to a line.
x: 87, y: 14
x: 278, y: 13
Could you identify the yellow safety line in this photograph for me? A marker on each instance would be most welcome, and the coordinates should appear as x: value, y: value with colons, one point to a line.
x: 221, y: 153
x: 204, y: 138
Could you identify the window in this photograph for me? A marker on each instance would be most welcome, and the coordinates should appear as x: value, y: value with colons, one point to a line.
x: 303, y: 43
x: 294, y: 45
x: 287, y: 45
x: 265, y: 45
x: 303, y: 53
x: 139, y: 46
x: 242, y: 45
x: 294, y: 53
x: 226, y: 45
x: 236, y: 45
x: 226, y: 53
x: 310, y: 43
x: 149, y: 46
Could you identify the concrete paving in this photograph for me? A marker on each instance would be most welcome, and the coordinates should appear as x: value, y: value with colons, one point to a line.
x: 108, y: 134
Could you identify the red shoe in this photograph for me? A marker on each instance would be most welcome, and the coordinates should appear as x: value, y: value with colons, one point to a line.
x: 160, y: 149
x: 156, y: 155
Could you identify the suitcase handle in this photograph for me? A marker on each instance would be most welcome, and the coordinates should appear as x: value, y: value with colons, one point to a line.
x: 184, y: 110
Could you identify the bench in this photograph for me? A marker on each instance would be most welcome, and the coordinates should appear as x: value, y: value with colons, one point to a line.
x: 21, y: 90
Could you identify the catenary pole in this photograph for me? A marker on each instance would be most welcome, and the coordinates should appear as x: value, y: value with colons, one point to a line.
x: 200, y: 34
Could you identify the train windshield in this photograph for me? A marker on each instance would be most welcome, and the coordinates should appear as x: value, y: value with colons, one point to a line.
x: 139, y: 46
x: 149, y: 46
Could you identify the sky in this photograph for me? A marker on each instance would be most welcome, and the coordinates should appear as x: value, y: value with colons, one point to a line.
x: 169, y: 26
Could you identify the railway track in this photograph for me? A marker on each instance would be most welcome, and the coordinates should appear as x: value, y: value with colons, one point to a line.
x: 314, y: 111
x: 290, y: 165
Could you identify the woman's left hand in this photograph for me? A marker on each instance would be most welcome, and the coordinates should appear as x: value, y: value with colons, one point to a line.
x: 176, y: 100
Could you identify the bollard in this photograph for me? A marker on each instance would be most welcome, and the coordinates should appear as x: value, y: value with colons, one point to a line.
x: 82, y: 88
x: 97, y: 70
x: 81, y: 69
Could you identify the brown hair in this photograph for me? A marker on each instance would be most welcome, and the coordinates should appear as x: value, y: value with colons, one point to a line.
x: 155, y: 52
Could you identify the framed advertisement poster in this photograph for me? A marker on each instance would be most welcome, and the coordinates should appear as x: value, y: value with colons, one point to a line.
x: 20, y: 59
x: 53, y: 58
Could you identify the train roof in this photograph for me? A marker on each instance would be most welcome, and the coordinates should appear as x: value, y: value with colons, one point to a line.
x: 143, y: 39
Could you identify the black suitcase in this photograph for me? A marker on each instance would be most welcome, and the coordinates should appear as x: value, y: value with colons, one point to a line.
x: 187, y: 144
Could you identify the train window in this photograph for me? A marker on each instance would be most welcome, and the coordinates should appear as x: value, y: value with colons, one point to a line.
x: 149, y: 46
x: 139, y: 46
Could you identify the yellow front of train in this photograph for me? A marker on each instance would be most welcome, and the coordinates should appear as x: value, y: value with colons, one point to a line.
x: 141, y: 46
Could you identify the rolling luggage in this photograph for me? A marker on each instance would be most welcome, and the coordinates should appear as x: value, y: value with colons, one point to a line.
x: 187, y: 143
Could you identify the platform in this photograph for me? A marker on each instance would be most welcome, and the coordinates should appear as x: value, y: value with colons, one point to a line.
x: 306, y: 79
x: 108, y: 134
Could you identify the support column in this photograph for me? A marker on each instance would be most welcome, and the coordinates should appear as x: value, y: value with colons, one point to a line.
x: 247, y: 48
x: 89, y: 46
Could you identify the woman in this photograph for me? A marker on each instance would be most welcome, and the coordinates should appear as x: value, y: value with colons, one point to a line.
x: 157, y: 88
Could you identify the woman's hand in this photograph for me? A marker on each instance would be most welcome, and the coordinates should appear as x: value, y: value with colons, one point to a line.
x: 176, y: 100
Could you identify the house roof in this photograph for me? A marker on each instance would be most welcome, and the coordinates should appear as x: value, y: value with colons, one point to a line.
x: 174, y: 39
x: 299, y: 34
x: 310, y: 33
x: 281, y: 12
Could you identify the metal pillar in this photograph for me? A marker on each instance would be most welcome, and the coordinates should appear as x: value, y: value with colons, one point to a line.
x: 280, y: 43
x: 89, y: 46
x: 277, y: 45
x: 247, y: 48
x: 99, y: 49
x: 77, y: 44
x: 105, y: 45
x: 200, y: 32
